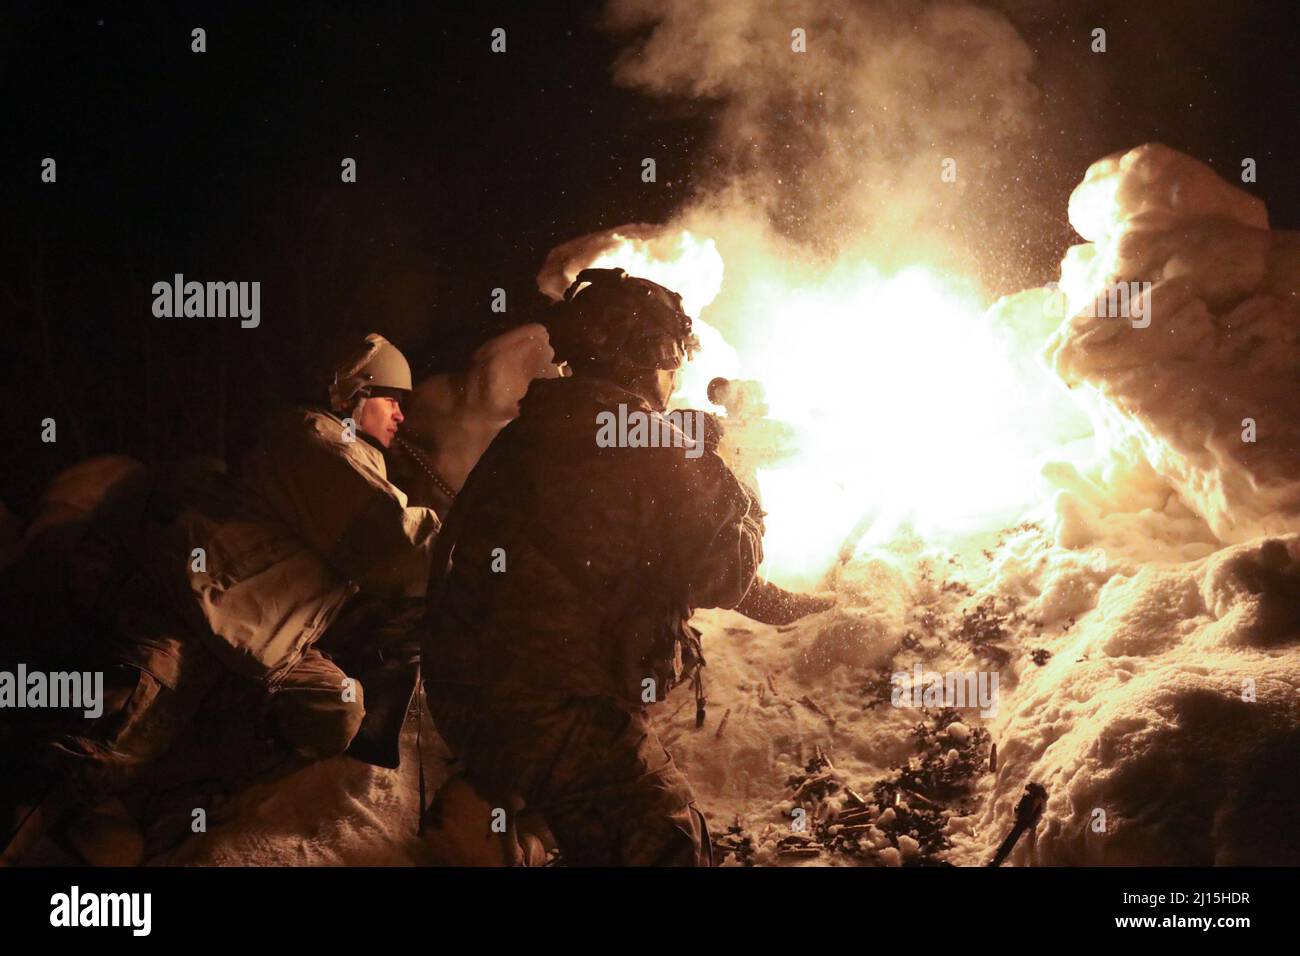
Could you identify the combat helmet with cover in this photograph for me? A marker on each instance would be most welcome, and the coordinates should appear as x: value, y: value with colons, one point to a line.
x: 609, y: 318
x: 373, y: 368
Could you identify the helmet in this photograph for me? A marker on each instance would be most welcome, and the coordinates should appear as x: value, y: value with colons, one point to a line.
x: 375, y: 367
x: 610, y: 318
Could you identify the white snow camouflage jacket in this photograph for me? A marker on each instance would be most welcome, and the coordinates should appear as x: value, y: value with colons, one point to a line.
x: 311, y: 520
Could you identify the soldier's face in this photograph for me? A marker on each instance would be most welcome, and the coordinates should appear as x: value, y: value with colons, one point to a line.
x: 666, y: 384
x: 380, y: 417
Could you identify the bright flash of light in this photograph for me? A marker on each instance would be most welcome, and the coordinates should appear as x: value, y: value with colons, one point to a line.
x: 906, y: 405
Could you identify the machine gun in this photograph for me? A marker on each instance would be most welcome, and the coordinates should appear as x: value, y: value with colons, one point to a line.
x: 751, y: 440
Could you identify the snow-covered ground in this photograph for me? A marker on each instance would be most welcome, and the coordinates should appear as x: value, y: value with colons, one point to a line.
x: 1139, y: 709
x: 1163, y: 717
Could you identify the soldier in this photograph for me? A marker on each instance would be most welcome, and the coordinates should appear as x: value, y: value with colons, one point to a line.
x: 231, y: 583
x: 574, y: 570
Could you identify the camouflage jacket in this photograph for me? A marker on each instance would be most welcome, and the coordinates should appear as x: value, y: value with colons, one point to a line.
x: 310, y: 520
x: 571, y: 559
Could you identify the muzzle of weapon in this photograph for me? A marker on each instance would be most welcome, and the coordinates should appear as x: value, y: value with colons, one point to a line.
x: 739, y: 397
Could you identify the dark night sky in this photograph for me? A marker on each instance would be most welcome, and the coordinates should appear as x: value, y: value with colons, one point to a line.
x: 471, y: 166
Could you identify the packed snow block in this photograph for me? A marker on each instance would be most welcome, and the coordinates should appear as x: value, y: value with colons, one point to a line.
x: 1166, y: 727
x: 1184, y: 335
x: 454, y: 416
x: 1255, y: 591
x: 1154, y: 180
x: 487, y: 392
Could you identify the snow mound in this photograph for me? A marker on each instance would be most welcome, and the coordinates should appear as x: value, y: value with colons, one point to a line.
x: 339, y: 812
x: 1203, y: 382
x: 1166, y: 727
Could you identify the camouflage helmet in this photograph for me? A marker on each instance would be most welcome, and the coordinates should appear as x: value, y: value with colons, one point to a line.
x: 610, y: 318
x: 374, y: 367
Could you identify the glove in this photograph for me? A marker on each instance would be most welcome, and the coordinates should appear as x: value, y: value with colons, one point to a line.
x: 769, y: 604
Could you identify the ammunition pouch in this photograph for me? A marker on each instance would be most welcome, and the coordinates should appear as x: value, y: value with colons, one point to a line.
x: 657, y: 644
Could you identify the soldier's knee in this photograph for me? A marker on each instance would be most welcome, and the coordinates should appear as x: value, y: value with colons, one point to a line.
x: 322, y: 724
x: 330, y: 731
x: 672, y: 830
x: 106, y: 755
x: 697, y: 848
x: 680, y: 838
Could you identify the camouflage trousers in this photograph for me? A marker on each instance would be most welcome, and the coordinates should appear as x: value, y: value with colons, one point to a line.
x: 607, y: 788
x: 174, y: 714
x: 214, y: 726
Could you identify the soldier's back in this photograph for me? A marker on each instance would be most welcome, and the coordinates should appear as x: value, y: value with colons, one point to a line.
x: 550, y: 538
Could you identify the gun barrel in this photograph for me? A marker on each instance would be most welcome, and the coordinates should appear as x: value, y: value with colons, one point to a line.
x: 738, y: 396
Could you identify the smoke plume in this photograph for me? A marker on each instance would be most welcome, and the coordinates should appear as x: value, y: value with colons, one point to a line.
x: 843, y: 146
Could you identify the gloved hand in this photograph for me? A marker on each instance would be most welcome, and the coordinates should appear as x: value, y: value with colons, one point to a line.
x: 770, y: 604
